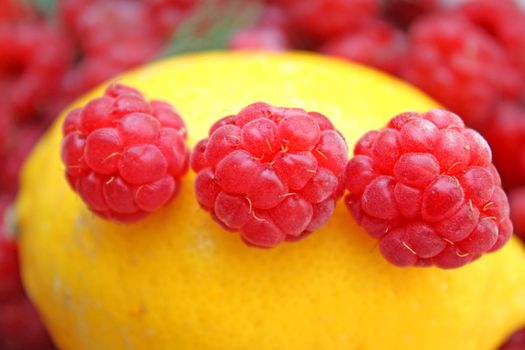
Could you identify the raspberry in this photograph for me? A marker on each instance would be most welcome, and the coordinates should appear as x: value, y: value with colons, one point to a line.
x: 21, y: 327
x: 270, y: 32
x: 517, y: 210
x: 14, y: 9
x: 377, y: 44
x: 108, y: 30
x: 460, y: 65
x: 505, y: 133
x: 6, y: 120
x: 271, y: 173
x: 323, y: 19
x: 404, y: 12
x: 109, y: 40
x: 260, y: 38
x: 19, y: 145
x: 10, y: 283
x: 515, y: 342
x: 504, y: 19
x: 123, y: 155
x: 86, y: 75
x: 426, y: 188
x: 167, y: 15
x: 33, y: 61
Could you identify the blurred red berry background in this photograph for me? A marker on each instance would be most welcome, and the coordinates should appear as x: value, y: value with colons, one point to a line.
x: 467, y: 54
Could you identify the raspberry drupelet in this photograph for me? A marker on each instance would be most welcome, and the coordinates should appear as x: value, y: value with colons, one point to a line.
x: 124, y: 155
x: 425, y: 187
x: 271, y: 173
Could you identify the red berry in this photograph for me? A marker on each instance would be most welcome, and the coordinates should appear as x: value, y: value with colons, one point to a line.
x: 515, y: 342
x: 108, y: 30
x: 124, y: 156
x: 6, y: 120
x: 270, y: 32
x: 167, y: 15
x: 503, y: 19
x: 376, y: 43
x: 19, y: 145
x: 263, y: 38
x: 505, y: 133
x: 33, y: 61
x: 109, y: 39
x: 87, y: 74
x: 517, y: 210
x: 271, y: 173
x: 404, y: 12
x: 460, y: 65
x: 10, y: 283
x: 15, y: 10
x: 21, y: 327
x: 322, y: 19
x: 425, y: 187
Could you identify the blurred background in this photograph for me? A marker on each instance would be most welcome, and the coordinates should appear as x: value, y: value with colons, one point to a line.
x: 467, y: 54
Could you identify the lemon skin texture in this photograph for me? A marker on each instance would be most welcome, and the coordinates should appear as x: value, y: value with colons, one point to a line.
x: 177, y: 281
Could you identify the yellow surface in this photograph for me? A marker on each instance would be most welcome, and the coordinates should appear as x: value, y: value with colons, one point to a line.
x: 177, y: 281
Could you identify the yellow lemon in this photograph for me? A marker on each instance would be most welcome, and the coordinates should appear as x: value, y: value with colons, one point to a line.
x: 178, y: 281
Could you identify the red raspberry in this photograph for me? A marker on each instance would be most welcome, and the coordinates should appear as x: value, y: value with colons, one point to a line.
x: 274, y: 15
x: 260, y: 38
x: 460, y: 65
x: 167, y: 15
x: 404, y: 12
x: 108, y: 29
x: 19, y: 145
x: 271, y: 32
x: 123, y: 155
x: 425, y: 187
x: 10, y: 283
x: 21, y: 327
x: 517, y: 210
x: 86, y: 75
x: 6, y: 119
x: 377, y: 44
x: 322, y: 19
x: 504, y: 19
x: 271, y: 173
x: 505, y: 133
x: 109, y: 39
x: 14, y: 10
x: 515, y: 342
x: 33, y: 61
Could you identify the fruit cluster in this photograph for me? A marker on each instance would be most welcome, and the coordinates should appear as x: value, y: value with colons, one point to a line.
x: 425, y: 186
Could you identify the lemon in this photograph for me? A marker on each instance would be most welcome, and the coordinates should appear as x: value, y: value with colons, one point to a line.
x: 178, y: 281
